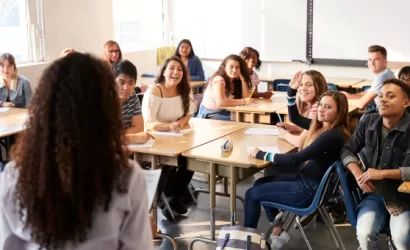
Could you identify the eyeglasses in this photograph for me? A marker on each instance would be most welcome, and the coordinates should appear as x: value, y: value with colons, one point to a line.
x: 114, y: 51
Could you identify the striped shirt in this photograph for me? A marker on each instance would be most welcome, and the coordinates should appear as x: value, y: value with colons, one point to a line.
x: 131, y: 107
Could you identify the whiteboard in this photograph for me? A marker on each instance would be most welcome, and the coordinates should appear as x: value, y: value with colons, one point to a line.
x: 217, y: 28
x: 345, y: 29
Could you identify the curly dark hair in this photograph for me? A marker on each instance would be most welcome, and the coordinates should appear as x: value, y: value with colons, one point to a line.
x: 71, y: 156
x: 183, y: 88
x: 246, y: 54
x: 244, y: 71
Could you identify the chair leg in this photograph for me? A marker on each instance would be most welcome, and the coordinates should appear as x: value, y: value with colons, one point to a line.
x: 303, y: 232
x: 331, y: 227
x: 390, y: 243
x: 272, y: 226
x: 191, y: 190
x: 167, y: 206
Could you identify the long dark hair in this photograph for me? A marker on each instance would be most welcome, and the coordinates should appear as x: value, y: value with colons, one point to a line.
x: 183, y: 88
x: 246, y: 53
x: 71, y: 156
x: 244, y: 71
x: 191, y: 53
x: 341, y: 121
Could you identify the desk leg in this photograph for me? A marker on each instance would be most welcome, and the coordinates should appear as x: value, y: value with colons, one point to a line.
x: 232, y: 198
x: 253, y: 119
x: 212, y: 186
x: 238, y: 116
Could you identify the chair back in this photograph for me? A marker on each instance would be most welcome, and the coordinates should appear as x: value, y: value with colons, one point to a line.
x: 281, y: 84
x: 352, y: 195
x: 331, y: 86
x: 329, y: 178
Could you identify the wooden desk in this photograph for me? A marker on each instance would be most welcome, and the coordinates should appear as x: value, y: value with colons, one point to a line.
x: 260, y: 110
x: 235, y: 165
x: 344, y: 82
x: 12, y: 121
x: 363, y: 83
x: 167, y: 149
x: 197, y: 86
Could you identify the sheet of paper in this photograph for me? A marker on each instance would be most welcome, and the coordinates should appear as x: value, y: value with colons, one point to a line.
x: 3, y: 109
x: 261, y: 131
x: 151, y: 183
x: 147, y: 144
x: 171, y: 133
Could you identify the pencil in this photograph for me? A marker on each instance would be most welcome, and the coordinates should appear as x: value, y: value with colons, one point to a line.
x: 253, y: 90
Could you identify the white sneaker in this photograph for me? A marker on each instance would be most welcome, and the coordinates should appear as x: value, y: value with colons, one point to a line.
x: 278, y: 242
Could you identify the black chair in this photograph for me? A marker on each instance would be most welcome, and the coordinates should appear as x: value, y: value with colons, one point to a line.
x: 281, y: 84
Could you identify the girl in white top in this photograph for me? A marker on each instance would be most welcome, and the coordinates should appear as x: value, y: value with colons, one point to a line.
x: 229, y: 86
x: 168, y: 106
x: 70, y: 184
x: 251, y: 58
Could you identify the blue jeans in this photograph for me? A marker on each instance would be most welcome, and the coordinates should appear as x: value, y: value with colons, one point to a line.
x: 373, y: 218
x: 205, y: 113
x: 286, y: 189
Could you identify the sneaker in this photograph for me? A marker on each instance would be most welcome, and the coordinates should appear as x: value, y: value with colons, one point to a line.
x: 278, y: 242
x: 178, y: 208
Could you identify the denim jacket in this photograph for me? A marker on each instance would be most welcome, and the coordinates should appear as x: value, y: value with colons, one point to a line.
x: 395, y: 154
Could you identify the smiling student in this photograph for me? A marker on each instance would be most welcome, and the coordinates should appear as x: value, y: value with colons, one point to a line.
x: 251, y: 58
x: 185, y: 51
x: 168, y: 106
x: 303, y: 93
x: 320, y: 148
x: 383, y: 142
x: 228, y: 86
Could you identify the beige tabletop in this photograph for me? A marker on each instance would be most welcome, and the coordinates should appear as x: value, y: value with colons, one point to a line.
x: 12, y: 121
x: 362, y: 84
x: 344, y: 82
x: 239, y: 156
x: 203, y: 131
x: 258, y: 105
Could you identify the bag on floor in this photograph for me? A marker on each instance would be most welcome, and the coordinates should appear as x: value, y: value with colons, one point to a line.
x: 237, y: 237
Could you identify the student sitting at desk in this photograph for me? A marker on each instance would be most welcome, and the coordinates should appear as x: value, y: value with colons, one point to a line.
x: 383, y: 141
x: 15, y: 90
x: 321, y: 147
x: 111, y: 53
x: 185, y: 51
x: 125, y: 74
x: 303, y: 94
x: 251, y: 58
x: 404, y: 74
x: 377, y: 63
x: 70, y: 184
x: 228, y: 86
x: 168, y: 106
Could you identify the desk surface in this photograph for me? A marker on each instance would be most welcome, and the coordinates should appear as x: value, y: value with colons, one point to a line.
x: 344, y: 82
x: 239, y: 155
x: 277, y: 101
x: 12, y: 121
x: 204, y: 131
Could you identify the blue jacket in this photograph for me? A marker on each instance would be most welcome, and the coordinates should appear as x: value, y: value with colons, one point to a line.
x: 195, y: 69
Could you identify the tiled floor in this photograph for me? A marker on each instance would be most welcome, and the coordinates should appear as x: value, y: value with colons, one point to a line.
x: 197, y: 224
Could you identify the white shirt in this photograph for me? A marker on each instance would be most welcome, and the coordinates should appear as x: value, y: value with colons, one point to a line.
x: 126, y: 221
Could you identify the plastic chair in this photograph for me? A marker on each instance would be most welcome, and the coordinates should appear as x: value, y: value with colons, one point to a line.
x: 328, y: 179
x: 331, y: 86
x: 352, y: 195
x: 281, y: 84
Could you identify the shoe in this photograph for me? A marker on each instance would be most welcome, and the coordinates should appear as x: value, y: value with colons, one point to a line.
x: 167, y: 214
x: 278, y: 242
x: 177, y: 207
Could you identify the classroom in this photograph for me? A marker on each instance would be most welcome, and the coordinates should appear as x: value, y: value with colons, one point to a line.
x: 191, y: 124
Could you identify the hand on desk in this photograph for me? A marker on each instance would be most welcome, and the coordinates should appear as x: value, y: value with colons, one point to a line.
x: 252, y: 151
x: 175, y: 127
x: 138, y: 138
x: 8, y: 104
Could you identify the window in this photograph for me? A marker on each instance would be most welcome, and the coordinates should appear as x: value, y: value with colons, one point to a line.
x: 138, y: 24
x: 21, y: 29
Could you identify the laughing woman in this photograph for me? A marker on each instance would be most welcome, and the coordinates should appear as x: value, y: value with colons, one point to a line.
x: 321, y: 147
x: 168, y: 106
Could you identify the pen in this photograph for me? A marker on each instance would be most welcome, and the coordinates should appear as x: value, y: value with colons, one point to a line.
x: 150, y: 136
x: 253, y: 90
x: 362, y: 162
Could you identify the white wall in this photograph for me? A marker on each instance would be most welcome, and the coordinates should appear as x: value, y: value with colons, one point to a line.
x: 86, y: 24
